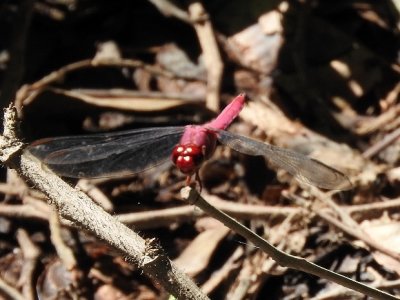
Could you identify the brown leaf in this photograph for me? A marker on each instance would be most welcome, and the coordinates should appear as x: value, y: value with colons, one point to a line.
x: 388, y: 234
x: 196, y: 257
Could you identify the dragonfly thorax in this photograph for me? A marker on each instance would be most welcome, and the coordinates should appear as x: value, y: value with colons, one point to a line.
x: 188, y: 158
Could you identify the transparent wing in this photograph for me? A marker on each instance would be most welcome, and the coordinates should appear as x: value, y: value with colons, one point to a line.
x: 109, y: 154
x: 303, y: 168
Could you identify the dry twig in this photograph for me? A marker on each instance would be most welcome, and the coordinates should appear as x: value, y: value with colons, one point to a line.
x: 25, y: 211
x: 96, y: 194
x: 350, y: 227
x: 168, y: 216
x: 28, y: 93
x: 83, y: 213
x: 212, y: 57
x: 370, y: 207
x: 31, y: 256
x: 382, y: 144
x: 10, y: 291
x: 169, y: 9
x: 64, y: 252
x: 280, y: 257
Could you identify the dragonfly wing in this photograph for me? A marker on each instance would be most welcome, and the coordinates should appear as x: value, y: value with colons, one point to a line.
x: 107, y: 155
x: 303, y: 168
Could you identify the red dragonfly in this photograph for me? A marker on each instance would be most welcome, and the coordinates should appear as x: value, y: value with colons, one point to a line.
x: 132, y: 151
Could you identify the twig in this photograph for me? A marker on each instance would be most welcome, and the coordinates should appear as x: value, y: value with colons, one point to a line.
x: 246, y: 211
x: 125, y: 93
x: 27, y: 93
x: 217, y: 277
x: 382, y: 144
x: 163, y: 217
x: 362, y: 236
x: 347, y: 224
x: 35, y: 209
x: 125, y: 103
x: 327, y: 199
x: 364, y: 208
x: 22, y: 211
x: 169, y: 9
x: 10, y: 291
x: 212, y: 57
x: 79, y: 209
x: 389, y: 284
x: 341, y: 292
x: 260, y: 266
x: 10, y: 189
x: 37, y: 203
x: 370, y: 125
x: 117, y: 93
x: 64, y: 252
x: 96, y: 194
x: 31, y: 255
x: 280, y: 257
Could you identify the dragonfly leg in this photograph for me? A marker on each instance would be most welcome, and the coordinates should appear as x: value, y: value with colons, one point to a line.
x: 188, y: 180
x: 197, y: 180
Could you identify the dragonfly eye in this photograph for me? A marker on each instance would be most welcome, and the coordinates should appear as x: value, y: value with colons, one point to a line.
x: 187, y: 158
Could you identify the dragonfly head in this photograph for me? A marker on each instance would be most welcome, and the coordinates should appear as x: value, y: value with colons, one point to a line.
x: 188, y: 158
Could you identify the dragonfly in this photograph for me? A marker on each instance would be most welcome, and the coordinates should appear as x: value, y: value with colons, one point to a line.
x: 132, y: 151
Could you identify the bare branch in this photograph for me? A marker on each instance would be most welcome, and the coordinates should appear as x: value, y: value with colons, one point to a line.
x: 279, y: 256
x: 212, y: 57
x: 84, y: 214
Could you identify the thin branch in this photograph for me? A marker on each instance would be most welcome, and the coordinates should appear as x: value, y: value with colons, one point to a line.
x: 96, y: 194
x: 382, y: 144
x: 287, y: 260
x: 168, y: 9
x: 358, y: 234
x: 28, y: 93
x: 326, y: 198
x: 168, y: 216
x: 11, y: 190
x: 25, y: 211
x: 81, y: 211
x: 372, y: 207
x: 371, y: 125
x: 212, y: 56
x: 31, y: 254
x: 347, y: 224
x: 64, y: 252
x: 8, y: 290
x: 86, y: 215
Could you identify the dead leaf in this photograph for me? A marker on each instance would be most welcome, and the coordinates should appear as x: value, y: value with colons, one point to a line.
x: 387, y: 232
x: 196, y: 257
